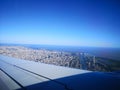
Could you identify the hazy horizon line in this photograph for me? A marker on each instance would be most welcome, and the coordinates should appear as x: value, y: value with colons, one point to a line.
x: 58, y: 45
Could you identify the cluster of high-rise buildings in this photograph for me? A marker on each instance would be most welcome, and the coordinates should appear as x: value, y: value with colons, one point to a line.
x: 61, y: 58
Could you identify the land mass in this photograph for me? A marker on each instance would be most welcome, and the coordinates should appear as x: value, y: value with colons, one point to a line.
x: 80, y: 60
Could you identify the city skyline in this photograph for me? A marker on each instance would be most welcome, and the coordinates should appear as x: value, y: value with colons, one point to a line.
x: 60, y: 22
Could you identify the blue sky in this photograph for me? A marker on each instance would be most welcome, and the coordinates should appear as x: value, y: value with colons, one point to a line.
x: 60, y: 22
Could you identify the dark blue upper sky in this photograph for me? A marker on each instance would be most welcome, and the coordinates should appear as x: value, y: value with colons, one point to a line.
x: 60, y: 22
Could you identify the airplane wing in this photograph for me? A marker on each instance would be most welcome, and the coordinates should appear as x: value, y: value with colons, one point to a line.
x: 17, y: 74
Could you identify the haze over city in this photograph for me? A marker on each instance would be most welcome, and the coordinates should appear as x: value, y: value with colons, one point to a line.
x: 60, y: 22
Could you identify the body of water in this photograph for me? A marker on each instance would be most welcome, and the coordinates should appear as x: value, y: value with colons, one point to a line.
x: 111, y: 53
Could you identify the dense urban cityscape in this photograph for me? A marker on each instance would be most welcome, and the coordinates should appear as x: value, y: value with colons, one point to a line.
x: 81, y: 60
